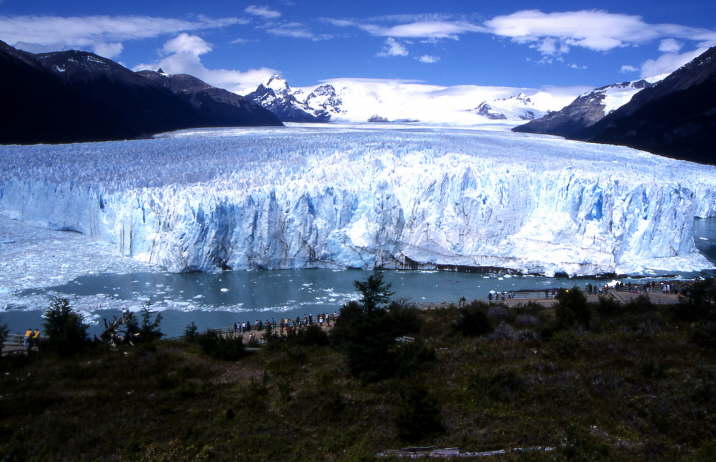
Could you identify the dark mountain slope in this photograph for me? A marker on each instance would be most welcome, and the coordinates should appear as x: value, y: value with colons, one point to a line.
x: 585, y: 111
x: 77, y: 96
x: 676, y: 118
x: 221, y: 106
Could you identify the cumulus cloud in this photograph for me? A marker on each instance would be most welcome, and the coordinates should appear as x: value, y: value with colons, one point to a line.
x: 183, y: 56
x: 551, y: 34
x: 670, y: 46
x: 393, y: 47
x: 262, y: 11
x: 668, y: 62
x: 627, y: 68
x: 100, y: 33
x: 428, y: 59
x: 108, y: 50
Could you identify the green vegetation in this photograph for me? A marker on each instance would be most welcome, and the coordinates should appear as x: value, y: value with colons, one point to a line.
x: 598, y: 382
x: 65, y: 331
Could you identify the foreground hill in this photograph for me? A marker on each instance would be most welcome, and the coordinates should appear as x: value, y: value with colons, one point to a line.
x: 78, y: 96
x: 631, y: 382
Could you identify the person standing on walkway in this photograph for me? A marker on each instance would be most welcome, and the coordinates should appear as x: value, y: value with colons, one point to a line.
x: 26, y: 339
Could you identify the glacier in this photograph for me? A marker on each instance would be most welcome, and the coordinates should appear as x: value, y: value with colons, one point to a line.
x: 362, y: 197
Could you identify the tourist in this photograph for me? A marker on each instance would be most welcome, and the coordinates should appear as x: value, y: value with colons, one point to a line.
x: 26, y: 338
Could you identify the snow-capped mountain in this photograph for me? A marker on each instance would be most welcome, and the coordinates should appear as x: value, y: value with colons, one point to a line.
x: 676, y: 117
x: 364, y: 100
x: 517, y: 107
x: 281, y: 100
x: 361, y: 198
x: 587, y: 109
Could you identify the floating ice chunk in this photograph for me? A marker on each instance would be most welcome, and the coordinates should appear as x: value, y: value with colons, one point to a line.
x: 224, y: 289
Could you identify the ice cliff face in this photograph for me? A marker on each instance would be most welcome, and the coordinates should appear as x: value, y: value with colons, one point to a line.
x: 298, y: 197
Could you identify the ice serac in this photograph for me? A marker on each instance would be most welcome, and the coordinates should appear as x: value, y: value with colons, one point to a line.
x: 337, y: 198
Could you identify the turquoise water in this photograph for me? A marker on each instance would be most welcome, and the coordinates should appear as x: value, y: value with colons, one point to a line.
x: 218, y: 300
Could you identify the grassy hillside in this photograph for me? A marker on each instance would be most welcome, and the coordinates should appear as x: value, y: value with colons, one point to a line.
x: 638, y: 384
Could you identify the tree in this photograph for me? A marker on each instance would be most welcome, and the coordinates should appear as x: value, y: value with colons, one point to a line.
x: 65, y: 330
x: 191, y: 332
x: 3, y: 335
x: 419, y: 415
x: 572, y: 308
x: 149, y: 330
x: 374, y: 291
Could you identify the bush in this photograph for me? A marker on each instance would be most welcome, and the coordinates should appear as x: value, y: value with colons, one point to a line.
x: 566, y: 344
x: 608, y: 306
x: 65, y: 331
x: 409, y: 357
x: 221, y: 347
x: 419, y: 415
x: 3, y: 335
x: 473, y: 321
x: 704, y: 334
x: 191, y: 332
x: 310, y: 336
x: 503, y: 386
x: 698, y: 305
x: 572, y: 308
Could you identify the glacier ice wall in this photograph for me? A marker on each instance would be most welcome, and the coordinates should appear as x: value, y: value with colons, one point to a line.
x: 353, y: 197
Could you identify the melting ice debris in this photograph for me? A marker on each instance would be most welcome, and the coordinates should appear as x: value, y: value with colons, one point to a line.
x: 361, y: 198
x: 224, y: 289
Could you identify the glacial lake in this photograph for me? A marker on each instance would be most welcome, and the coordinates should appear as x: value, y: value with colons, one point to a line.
x: 216, y: 300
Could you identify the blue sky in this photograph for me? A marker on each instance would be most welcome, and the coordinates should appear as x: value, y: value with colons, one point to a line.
x: 237, y: 44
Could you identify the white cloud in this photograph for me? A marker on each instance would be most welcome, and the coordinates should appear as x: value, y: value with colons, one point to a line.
x: 592, y: 29
x: 670, y: 46
x: 108, y: 50
x: 262, y: 11
x: 668, y: 63
x: 184, y: 57
x: 294, y: 30
x: 428, y: 59
x: 577, y: 66
x: 551, y: 34
x: 240, y: 41
x: 626, y: 68
x: 95, y: 32
x: 393, y: 48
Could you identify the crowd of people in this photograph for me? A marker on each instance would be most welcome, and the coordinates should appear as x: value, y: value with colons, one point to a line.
x: 286, y: 325
x: 31, y: 338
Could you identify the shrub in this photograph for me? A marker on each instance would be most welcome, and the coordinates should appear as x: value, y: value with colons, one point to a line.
x: 580, y: 445
x: 473, y: 321
x: 566, y: 344
x: 409, y: 357
x: 704, y: 334
x: 698, y: 305
x: 572, y: 308
x: 221, y: 347
x: 191, y: 332
x: 3, y: 335
x: 65, y: 331
x: 419, y: 415
x: 608, y: 306
x: 310, y: 336
x: 503, y: 386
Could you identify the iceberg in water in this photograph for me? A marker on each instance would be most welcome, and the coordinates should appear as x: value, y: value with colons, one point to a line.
x: 358, y: 197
